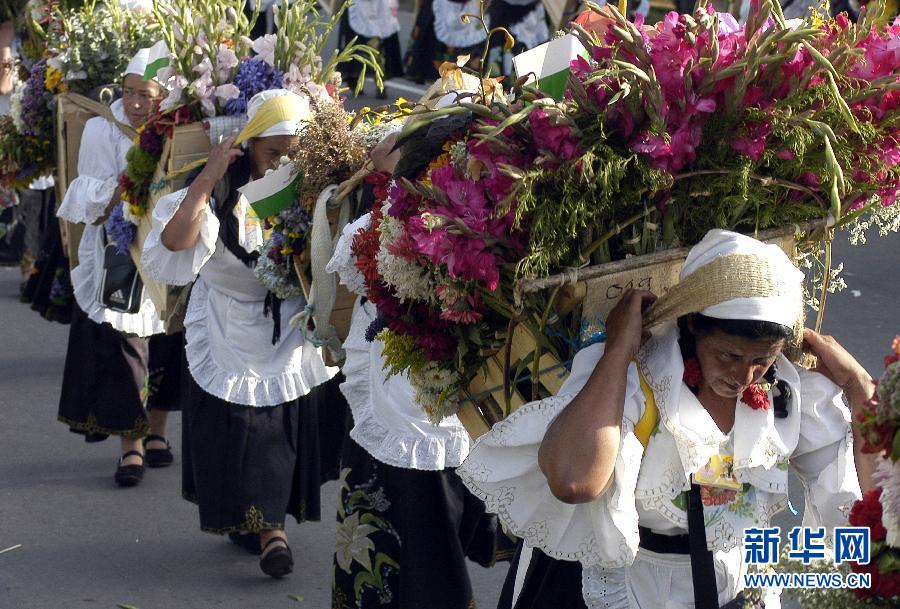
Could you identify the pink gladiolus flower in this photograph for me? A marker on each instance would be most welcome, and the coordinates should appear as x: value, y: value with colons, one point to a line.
x: 556, y: 139
x: 754, y: 144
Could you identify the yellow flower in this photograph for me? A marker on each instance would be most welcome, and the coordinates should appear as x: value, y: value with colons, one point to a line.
x: 287, y: 251
x: 442, y: 161
x: 53, y: 80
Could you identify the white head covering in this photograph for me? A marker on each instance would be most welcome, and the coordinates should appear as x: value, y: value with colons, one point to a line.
x: 782, y: 308
x: 138, y: 63
x: 286, y: 127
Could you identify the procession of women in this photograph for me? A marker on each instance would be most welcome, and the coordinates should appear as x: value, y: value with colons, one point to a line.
x: 559, y: 314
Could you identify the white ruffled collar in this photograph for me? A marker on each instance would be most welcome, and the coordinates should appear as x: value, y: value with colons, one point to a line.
x: 758, y: 440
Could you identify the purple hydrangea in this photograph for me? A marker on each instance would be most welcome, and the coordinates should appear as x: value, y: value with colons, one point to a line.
x: 119, y: 230
x: 37, y: 114
x: 253, y: 75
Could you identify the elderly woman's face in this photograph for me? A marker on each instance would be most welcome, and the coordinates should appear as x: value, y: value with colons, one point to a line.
x: 265, y: 152
x: 730, y: 363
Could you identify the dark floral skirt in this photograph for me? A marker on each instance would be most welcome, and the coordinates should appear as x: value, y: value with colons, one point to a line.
x: 248, y: 467
x: 404, y: 535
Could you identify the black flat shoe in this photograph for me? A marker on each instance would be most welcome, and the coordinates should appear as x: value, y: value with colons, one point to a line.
x: 158, y: 457
x: 247, y: 541
x: 129, y: 475
x: 279, y: 561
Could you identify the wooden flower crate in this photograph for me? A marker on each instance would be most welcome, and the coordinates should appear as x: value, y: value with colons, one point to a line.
x: 595, y: 292
x: 72, y: 113
x: 188, y: 143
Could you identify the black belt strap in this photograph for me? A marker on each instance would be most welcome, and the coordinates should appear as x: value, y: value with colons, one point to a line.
x: 664, y: 544
x: 703, y: 572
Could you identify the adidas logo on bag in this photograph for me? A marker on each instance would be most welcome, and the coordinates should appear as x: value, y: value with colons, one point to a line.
x: 118, y: 297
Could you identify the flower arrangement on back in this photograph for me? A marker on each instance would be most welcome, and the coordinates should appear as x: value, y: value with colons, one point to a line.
x: 631, y: 160
x: 95, y: 43
x: 215, y: 68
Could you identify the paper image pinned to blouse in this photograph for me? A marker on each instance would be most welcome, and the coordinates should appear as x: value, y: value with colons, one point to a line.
x: 274, y: 191
x: 717, y: 473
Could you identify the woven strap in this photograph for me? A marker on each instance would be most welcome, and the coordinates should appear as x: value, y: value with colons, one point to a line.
x: 95, y: 107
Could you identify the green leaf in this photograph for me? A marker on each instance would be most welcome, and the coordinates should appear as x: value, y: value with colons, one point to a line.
x: 294, y: 597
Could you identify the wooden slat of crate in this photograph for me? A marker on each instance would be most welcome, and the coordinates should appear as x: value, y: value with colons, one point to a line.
x: 70, y: 122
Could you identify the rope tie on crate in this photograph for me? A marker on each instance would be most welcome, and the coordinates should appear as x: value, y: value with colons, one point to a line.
x: 726, y: 278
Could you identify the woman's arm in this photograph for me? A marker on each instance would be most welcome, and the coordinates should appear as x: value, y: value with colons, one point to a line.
x: 183, y: 231
x: 842, y: 369
x: 578, y: 453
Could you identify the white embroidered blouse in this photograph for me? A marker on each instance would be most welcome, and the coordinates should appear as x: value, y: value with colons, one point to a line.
x: 387, y: 421
x: 229, y: 346
x: 650, y: 486
x: 101, y: 159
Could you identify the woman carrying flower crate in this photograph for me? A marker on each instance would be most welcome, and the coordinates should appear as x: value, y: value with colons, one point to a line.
x: 250, y: 442
x: 406, y: 524
x: 633, y: 486
x: 118, y: 358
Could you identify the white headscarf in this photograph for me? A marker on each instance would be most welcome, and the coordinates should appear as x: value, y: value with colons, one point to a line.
x: 782, y: 308
x: 138, y: 63
x: 287, y: 127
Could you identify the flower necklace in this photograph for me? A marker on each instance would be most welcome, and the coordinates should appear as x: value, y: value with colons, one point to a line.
x: 756, y: 396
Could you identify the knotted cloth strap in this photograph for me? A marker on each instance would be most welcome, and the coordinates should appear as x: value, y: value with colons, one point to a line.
x: 271, y: 112
x: 725, y: 278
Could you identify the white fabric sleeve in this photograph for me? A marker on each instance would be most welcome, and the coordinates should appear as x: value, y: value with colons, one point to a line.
x: 343, y: 261
x: 181, y: 267
x: 98, y: 174
x: 823, y: 459
x: 502, y: 469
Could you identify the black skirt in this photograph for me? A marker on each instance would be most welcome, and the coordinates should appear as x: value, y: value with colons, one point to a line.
x: 389, y: 54
x: 248, y: 467
x: 404, y: 536
x: 425, y: 53
x: 165, y: 367
x: 104, y: 381
x: 548, y: 584
x: 49, y: 288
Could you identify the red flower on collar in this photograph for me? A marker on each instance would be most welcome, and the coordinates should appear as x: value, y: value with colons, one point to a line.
x: 756, y: 397
x: 692, y: 372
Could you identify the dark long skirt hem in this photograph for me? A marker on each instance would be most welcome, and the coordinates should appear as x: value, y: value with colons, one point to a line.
x: 247, y: 467
x: 251, y: 522
x: 104, y: 381
x: 93, y: 432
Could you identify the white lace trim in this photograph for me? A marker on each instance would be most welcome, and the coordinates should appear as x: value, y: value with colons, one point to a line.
x: 604, y: 588
x: 532, y: 30
x: 85, y: 283
x: 86, y: 199
x: 342, y: 261
x: 449, y: 28
x: 374, y: 18
x: 601, y: 532
x: 381, y: 425
x: 236, y: 388
x: 177, y: 268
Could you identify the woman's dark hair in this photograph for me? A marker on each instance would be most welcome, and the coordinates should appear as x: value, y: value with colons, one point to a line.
x: 697, y: 324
